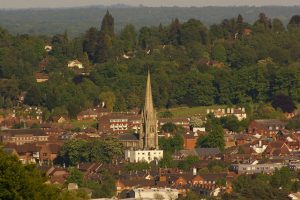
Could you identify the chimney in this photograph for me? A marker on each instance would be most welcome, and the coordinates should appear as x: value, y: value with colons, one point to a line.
x: 243, y: 109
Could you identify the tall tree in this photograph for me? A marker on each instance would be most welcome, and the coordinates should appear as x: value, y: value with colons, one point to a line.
x: 107, y: 25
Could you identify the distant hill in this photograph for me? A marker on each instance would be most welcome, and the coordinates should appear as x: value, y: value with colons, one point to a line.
x: 77, y: 20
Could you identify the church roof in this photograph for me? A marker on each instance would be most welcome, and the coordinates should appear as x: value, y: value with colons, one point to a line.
x: 129, y: 136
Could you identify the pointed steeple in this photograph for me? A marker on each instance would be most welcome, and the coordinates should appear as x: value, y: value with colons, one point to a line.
x: 148, y: 108
x: 149, y: 122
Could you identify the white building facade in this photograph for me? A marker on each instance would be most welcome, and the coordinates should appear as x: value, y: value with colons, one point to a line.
x: 148, y: 156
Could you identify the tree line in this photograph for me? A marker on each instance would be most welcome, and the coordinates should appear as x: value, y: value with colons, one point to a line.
x: 232, y: 62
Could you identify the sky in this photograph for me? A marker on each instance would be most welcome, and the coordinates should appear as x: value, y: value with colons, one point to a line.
x: 7, y: 4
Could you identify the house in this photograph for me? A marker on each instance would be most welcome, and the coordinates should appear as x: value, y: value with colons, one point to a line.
x: 247, y: 31
x: 239, y: 113
x: 190, y: 140
x: 116, y: 123
x: 26, y: 153
x: 255, y: 168
x: 154, y: 193
x: 92, y: 113
x: 48, y: 152
x: 60, y: 119
x: 43, y: 64
x: 57, y: 175
x: 266, y: 127
x: 183, y: 122
x: 148, y: 156
x: 90, y: 170
x: 202, y: 153
x: 48, y: 48
x: 259, y: 146
x: 277, y: 148
x: 41, y: 77
x: 208, y: 153
x: 22, y: 136
x: 75, y: 64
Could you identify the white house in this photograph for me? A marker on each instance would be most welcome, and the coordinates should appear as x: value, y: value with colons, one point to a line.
x: 74, y: 64
x: 48, y: 48
x: 154, y: 193
x: 144, y: 155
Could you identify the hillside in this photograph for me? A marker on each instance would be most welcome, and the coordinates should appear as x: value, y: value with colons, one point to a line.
x: 77, y: 20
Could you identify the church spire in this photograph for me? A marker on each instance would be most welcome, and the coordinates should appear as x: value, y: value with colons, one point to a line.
x: 148, y: 108
x: 149, y: 129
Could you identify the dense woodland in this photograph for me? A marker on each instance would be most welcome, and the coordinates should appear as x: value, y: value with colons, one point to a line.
x: 232, y: 62
x: 77, y: 20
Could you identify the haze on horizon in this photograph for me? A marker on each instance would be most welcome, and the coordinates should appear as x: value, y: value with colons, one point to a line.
x: 19, y: 4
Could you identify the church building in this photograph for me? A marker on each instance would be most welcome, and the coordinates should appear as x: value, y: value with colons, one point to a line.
x: 145, y: 147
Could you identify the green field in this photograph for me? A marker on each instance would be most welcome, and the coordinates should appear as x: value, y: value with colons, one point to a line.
x: 82, y: 124
x: 190, y: 111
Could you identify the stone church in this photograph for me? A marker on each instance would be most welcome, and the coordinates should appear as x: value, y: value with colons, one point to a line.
x: 144, y: 146
x: 148, y: 137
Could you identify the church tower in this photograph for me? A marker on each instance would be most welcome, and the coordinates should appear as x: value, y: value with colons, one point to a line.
x: 149, y: 122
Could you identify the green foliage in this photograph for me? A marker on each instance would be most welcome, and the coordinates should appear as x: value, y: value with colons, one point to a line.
x: 137, y: 166
x: 75, y: 176
x: 232, y: 124
x: 215, y: 136
x: 293, y: 124
x: 167, y: 161
x: 171, y: 144
x: 188, y: 163
x: 109, y: 99
x: 166, y: 114
x: 258, y: 65
x: 285, y: 103
x: 276, y: 186
x: 22, y: 181
x: 77, y: 150
x: 219, y: 53
x: 169, y: 128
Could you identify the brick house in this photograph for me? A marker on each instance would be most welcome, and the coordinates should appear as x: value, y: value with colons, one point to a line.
x: 190, y: 140
x: 117, y: 123
x: 266, y: 127
x: 22, y: 136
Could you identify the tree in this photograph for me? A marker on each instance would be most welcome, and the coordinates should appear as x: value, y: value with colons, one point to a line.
x: 171, y: 144
x: 108, y: 98
x: 219, y: 53
x: 174, y: 32
x: 75, y: 176
x: 295, y: 21
x: 166, y: 114
x: 107, y: 25
x: 231, y: 123
x: 90, y: 42
x: 73, y: 152
x: 196, y: 121
x: 103, y: 47
x: 128, y: 38
x: 169, y: 128
x: 214, y: 138
x: 277, y: 26
x: 22, y: 181
x: 284, y: 102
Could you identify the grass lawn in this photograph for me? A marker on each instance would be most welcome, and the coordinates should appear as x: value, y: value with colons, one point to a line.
x: 81, y: 124
x: 190, y: 111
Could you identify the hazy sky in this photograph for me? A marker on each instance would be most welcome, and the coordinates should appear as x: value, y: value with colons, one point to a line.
x: 74, y: 3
